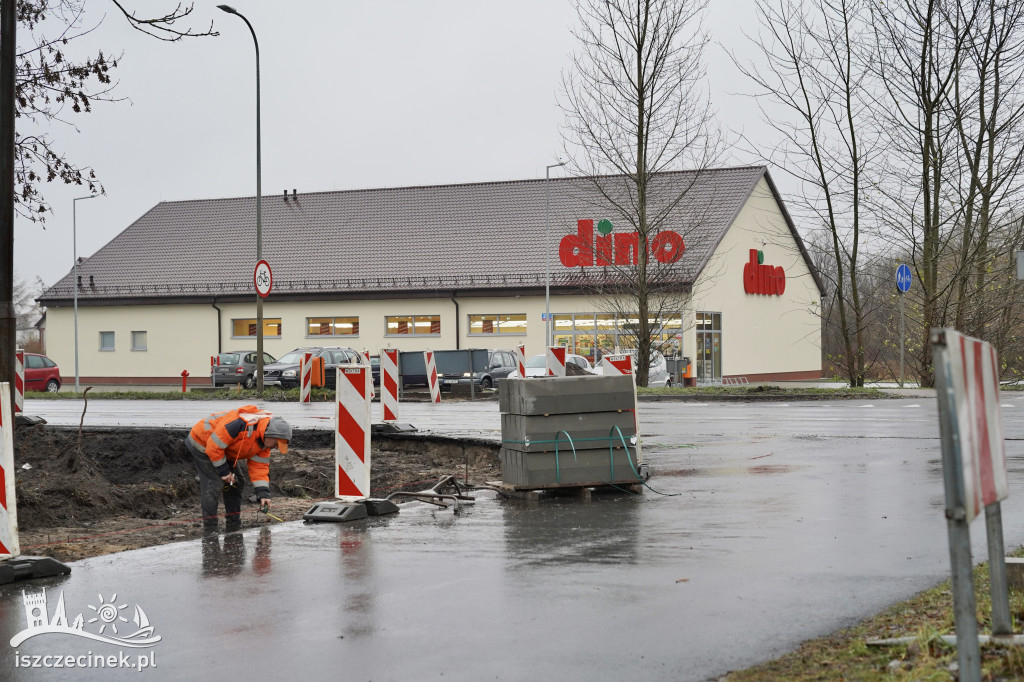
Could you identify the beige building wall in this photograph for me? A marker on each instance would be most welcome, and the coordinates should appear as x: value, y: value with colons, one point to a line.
x: 761, y: 334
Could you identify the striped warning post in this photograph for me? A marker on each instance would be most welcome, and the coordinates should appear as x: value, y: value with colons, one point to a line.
x: 352, y: 434
x: 19, y: 380
x: 389, y: 383
x: 305, y: 377
x: 8, y: 510
x: 974, y: 370
x: 556, y: 361
x: 435, y: 388
x: 369, y: 363
x: 521, y: 359
x: 617, y: 364
x: 623, y: 364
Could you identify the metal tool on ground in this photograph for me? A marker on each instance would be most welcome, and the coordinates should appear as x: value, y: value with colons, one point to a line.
x: 436, y: 495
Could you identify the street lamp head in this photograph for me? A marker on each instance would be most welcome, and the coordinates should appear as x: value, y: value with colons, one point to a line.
x: 556, y: 165
x: 227, y: 8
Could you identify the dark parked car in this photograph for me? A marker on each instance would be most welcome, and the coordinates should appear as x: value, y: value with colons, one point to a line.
x: 41, y: 373
x: 500, y: 363
x: 285, y: 372
x: 237, y: 367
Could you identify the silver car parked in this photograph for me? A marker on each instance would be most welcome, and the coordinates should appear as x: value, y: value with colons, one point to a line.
x: 237, y: 367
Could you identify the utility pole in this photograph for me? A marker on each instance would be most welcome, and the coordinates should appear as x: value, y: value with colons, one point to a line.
x: 8, y: 319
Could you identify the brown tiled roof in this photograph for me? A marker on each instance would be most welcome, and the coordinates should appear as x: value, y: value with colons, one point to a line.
x: 483, y: 236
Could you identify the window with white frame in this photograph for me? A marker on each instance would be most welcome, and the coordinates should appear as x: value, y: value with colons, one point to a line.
x: 419, y: 325
x: 497, y: 324
x: 106, y: 340
x: 139, y: 341
x: 332, y: 326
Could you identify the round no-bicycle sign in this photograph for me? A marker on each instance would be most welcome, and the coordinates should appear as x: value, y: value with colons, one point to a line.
x: 263, y: 278
x: 903, y: 278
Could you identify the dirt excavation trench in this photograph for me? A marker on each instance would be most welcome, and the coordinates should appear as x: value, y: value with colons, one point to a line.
x: 118, y: 489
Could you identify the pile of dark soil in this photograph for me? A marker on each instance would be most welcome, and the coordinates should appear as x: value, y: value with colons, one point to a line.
x: 113, y: 480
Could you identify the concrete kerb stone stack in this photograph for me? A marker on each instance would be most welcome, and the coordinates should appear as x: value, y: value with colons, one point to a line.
x: 586, y: 414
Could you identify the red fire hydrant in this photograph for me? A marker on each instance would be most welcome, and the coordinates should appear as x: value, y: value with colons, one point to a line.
x: 184, y: 380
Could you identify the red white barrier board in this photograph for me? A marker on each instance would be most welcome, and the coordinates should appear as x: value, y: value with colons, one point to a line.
x: 389, y: 383
x: 521, y: 359
x: 974, y: 377
x: 435, y: 386
x: 352, y: 433
x: 19, y: 380
x: 366, y: 355
x: 305, y: 377
x: 556, y: 361
x: 617, y: 364
x: 8, y: 509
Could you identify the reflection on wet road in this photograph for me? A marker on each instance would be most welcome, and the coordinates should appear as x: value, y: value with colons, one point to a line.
x: 767, y: 525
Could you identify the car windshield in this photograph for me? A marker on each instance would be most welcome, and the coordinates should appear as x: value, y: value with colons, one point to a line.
x: 228, y: 358
x: 293, y: 358
x: 537, y: 361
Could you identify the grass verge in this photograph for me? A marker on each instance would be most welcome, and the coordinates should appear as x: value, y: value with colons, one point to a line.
x: 926, y: 617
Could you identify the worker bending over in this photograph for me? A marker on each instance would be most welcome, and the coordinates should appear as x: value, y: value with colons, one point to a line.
x: 218, y: 442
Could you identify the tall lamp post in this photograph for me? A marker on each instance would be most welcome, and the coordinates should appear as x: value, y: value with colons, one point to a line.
x: 259, y: 202
x: 548, y: 340
x: 74, y: 280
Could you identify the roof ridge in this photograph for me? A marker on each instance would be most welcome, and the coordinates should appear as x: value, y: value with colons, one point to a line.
x: 479, y: 183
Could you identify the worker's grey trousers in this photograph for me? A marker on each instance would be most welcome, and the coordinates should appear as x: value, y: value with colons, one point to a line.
x: 211, y: 487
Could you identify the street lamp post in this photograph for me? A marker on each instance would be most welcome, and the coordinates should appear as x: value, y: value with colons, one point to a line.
x: 74, y: 278
x: 259, y: 202
x: 548, y: 340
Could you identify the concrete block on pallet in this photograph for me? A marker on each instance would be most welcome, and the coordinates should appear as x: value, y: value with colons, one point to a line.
x: 587, y: 430
x: 538, y: 470
x: 566, y: 395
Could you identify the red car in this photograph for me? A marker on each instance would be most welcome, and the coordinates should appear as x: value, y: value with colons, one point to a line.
x: 41, y: 373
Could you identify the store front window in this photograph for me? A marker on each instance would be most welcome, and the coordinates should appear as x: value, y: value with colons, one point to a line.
x: 246, y: 328
x: 708, y: 363
x: 419, y: 325
x: 593, y: 335
x: 497, y: 324
x: 332, y: 326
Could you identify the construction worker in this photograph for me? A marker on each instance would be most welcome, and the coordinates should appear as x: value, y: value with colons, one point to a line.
x: 218, y: 442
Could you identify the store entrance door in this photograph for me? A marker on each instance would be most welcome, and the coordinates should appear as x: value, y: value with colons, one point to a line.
x: 708, y: 363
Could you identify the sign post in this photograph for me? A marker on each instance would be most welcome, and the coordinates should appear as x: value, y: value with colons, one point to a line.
x: 903, y: 280
x: 974, y: 474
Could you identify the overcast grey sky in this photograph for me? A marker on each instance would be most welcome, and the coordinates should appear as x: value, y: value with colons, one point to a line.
x: 354, y: 95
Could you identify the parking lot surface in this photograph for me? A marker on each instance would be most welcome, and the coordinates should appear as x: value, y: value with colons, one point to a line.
x: 764, y: 525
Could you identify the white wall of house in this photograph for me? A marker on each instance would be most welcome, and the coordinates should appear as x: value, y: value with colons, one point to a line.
x: 761, y: 334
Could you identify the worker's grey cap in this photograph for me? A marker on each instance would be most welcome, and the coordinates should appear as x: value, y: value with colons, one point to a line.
x: 278, y: 428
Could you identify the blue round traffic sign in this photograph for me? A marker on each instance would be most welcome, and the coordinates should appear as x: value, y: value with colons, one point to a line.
x: 903, y: 278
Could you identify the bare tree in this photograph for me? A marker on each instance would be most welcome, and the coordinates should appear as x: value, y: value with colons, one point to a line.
x: 812, y: 65
x: 636, y: 105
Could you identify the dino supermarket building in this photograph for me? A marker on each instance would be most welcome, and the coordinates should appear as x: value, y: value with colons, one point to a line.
x: 448, y: 267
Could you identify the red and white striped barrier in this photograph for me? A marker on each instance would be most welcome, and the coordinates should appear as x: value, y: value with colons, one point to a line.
x: 366, y: 356
x: 19, y: 380
x: 389, y: 383
x: 556, y: 361
x: 305, y: 377
x: 435, y: 387
x: 352, y: 433
x: 521, y: 359
x: 974, y: 374
x: 617, y: 364
x: 623, y: 364
x: 9, y: 547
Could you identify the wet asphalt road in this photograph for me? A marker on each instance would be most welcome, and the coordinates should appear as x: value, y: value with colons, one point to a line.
x: 769, y: 523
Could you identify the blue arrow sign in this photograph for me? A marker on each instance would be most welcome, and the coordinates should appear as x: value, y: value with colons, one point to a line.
x: 903, y: 278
